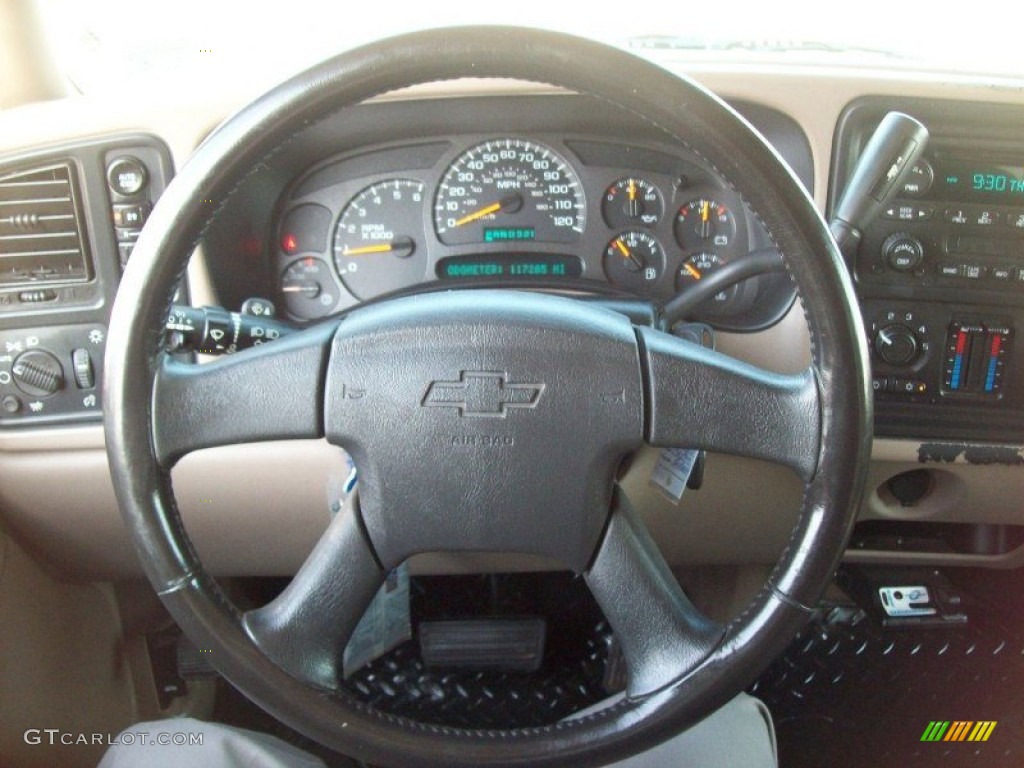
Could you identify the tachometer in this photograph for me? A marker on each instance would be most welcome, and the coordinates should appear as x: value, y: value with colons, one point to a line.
x: 509, y: 190
x: 378, y: 243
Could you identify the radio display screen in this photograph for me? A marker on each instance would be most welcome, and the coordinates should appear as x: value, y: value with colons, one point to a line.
x: 982, y: 182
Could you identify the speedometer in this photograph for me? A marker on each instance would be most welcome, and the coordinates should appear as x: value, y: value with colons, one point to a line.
x: 509, y: 190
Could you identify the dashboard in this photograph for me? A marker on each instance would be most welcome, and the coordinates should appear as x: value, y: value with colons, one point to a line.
x: 526, y: 187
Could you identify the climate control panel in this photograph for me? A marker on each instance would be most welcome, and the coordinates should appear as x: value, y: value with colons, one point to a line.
x: 938, y: 354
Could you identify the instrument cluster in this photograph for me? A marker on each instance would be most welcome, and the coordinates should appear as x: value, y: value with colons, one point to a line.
x: 548, y: 211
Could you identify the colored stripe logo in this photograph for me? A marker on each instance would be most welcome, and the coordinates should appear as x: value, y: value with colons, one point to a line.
x: 958, y: 730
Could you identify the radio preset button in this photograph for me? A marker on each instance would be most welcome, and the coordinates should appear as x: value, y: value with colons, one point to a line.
x: 985, y: 218
x: 958, y: 216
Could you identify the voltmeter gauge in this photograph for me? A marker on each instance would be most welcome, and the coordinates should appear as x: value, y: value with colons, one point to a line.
x: 703, y: 222
x: 634, y: 260
x: 631, y: 202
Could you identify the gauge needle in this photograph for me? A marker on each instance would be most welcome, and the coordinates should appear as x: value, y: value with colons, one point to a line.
x: 632, y: 204
x: 694, y: 272
x: 705, y: 218
x: 510, y: 202
x: 627, y: 253
x: 379, y: 248
x: 400, y: 246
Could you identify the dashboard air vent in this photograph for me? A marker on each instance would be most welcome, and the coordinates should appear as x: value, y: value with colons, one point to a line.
x: 41, y: 233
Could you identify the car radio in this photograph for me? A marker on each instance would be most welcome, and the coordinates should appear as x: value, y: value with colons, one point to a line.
x: 940, y: 273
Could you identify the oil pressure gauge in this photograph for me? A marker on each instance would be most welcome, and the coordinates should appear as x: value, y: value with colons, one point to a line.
x: 630, y: 202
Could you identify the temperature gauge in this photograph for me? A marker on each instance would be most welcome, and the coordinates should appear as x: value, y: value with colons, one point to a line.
x: 704, y: 222
x: 634, y: 260
x: 632, y: 201
x: 695, y: 268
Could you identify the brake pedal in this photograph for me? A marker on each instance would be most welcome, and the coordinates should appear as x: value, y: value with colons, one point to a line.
x: 512, y: 644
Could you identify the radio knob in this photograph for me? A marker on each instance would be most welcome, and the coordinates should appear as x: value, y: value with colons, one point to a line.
x: 902, y: 252
x: 38, y: 373
x: 896, y: 345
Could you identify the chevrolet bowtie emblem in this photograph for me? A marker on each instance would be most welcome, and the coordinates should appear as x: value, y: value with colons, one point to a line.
x: 483, y: 394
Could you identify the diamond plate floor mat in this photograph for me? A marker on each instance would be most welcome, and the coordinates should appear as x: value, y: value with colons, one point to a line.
x: 849, y: 692
x: 571, y: 677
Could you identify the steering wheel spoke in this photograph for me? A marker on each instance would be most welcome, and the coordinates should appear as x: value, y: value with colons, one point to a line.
x: 305, y: 629
x: 662, y: 635
x: 274, y: 391
x: 700, y: 398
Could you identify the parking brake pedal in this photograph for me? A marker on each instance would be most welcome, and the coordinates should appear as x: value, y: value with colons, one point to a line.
x: 193, y: 663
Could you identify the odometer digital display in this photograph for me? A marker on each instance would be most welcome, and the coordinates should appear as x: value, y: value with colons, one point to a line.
x: 509, y: 266
x: 509, y: 190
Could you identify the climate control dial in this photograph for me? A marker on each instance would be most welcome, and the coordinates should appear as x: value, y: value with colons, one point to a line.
x: 896, y: 344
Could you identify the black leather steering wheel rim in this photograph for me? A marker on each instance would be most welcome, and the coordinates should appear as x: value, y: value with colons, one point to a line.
x: 683, y: 111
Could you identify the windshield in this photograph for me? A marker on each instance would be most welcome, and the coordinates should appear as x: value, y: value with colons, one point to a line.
x: 112, y: 45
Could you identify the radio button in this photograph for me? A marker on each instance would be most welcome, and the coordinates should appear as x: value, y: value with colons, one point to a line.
x: 985, y: 218
x: 972, y: 271
x: 902, y: 252
x: 949, y: 270
x: 909, y: 212
x: 919, y: 180
x: 1001, y: 273
x: 958, y: 216
x: 1015, y: 220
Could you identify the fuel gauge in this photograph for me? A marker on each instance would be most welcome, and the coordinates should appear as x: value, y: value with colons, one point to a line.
x: 308, y: 288
x: 634, y: 260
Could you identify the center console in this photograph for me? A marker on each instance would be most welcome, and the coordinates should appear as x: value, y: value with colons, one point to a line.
x: 940, y: 273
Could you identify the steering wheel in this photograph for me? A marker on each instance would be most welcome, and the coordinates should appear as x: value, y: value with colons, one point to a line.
x: 488, y: 421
